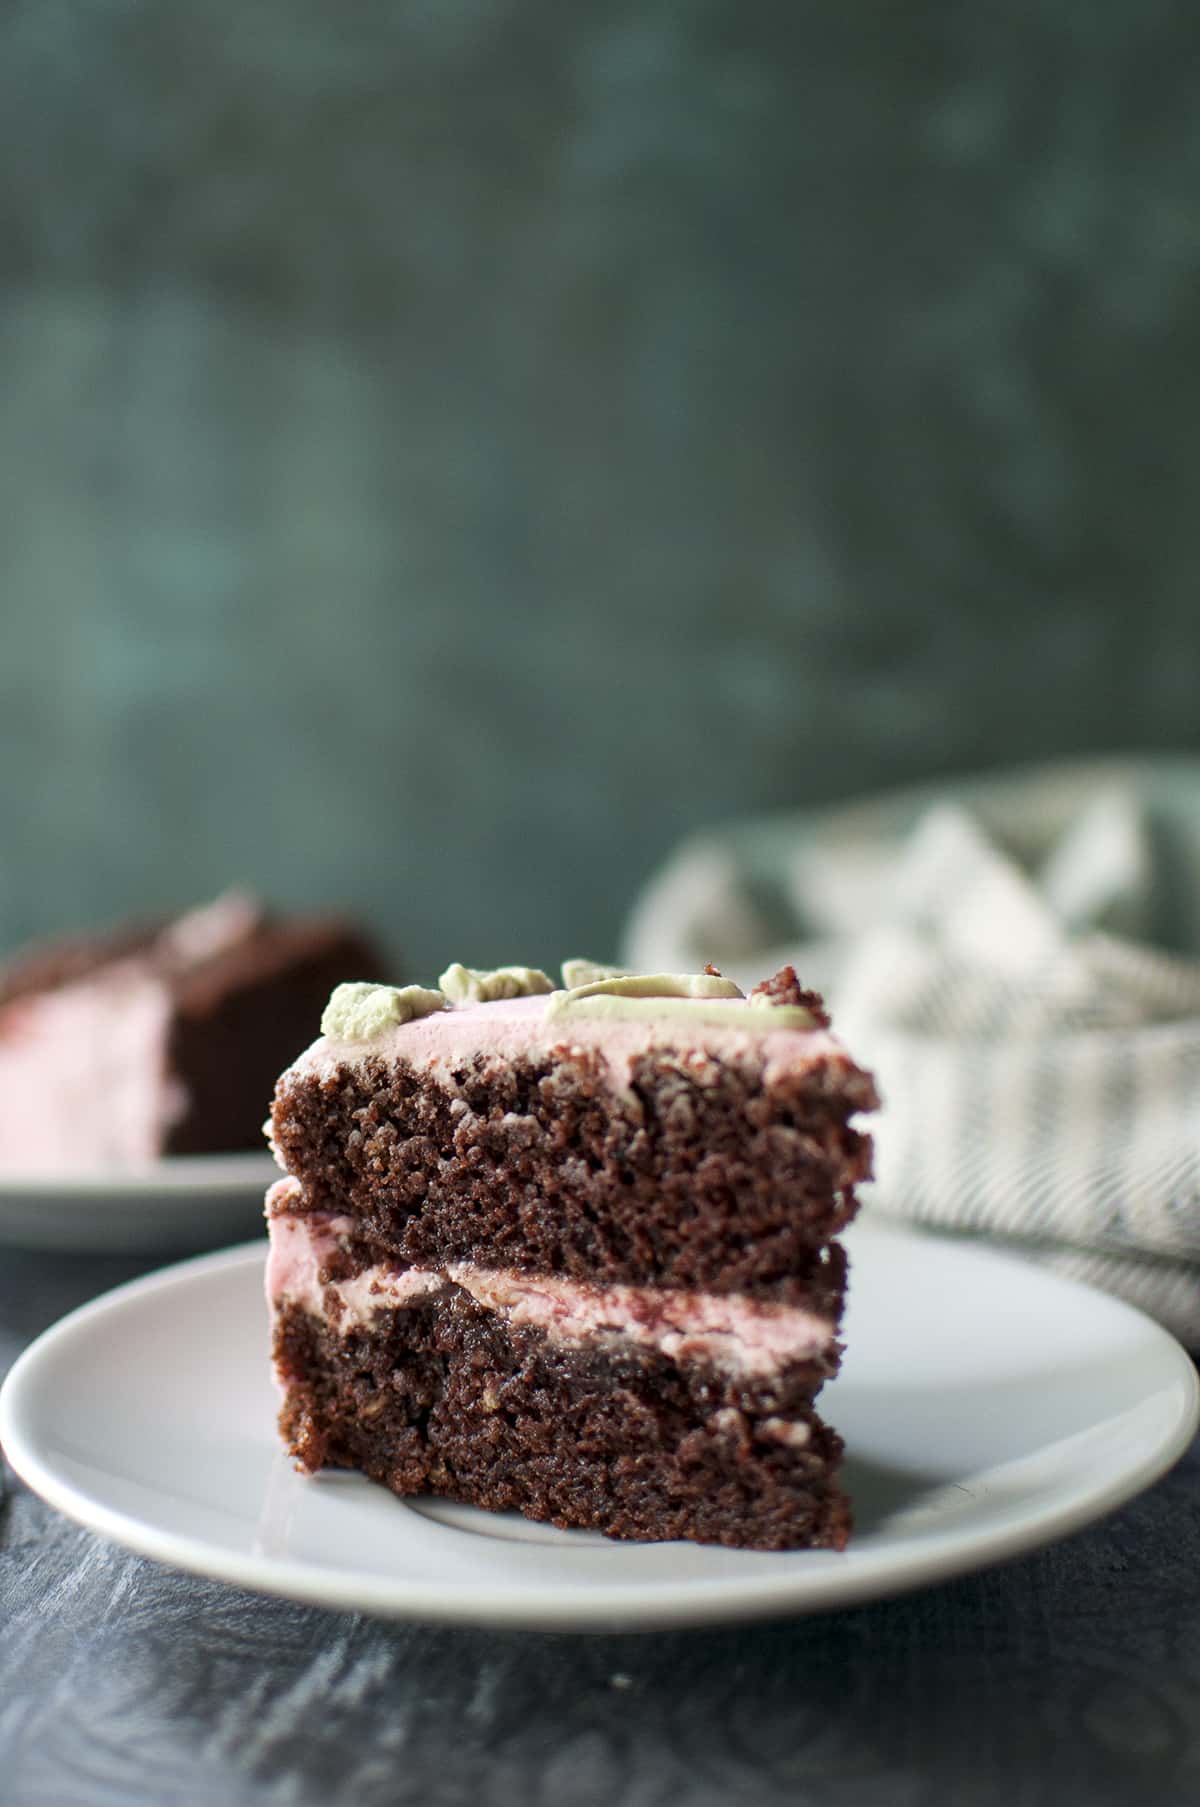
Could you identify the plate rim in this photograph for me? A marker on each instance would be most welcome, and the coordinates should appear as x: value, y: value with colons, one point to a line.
x: 648, y: 1605
x: 226, y: 1171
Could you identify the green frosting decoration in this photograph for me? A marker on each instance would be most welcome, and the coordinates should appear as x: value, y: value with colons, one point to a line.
x: 470, y: 985
x: 585, y: 972
x: 658, y: 985
x: 730, y: 1013
x: 691, y: 986
x: 358, y: 1011
x: 686, y: 997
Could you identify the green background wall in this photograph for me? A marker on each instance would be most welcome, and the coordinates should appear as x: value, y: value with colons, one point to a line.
x: 447, y: 452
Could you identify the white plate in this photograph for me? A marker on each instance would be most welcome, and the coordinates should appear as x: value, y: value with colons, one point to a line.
x: 987, y: 1407
x: 182, y: 1202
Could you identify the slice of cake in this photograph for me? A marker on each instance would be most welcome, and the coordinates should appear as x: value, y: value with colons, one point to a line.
x: 571, y: 1251
x: 162, y: 1038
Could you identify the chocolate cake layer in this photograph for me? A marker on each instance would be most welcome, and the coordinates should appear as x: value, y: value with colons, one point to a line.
x: 727, y: 1180
x: 443, y: 1398
x: 239, y: 1014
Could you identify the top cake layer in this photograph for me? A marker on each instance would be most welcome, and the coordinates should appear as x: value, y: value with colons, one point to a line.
x: 694, y: 1141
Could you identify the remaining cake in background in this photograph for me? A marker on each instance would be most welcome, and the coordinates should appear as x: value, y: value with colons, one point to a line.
x: 162, y: 1038
x: 570, y: 1251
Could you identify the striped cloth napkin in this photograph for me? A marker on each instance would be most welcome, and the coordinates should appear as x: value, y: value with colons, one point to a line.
x: 1019, y: 962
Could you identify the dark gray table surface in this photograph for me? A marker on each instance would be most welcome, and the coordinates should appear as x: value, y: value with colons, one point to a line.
x: 1070, y: 1677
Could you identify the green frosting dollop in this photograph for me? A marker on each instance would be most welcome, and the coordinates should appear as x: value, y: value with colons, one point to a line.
x: 586, y: 972
x: 729, y: 1013
x: 358, y: 1011
x: 690, y: 986
x: 688, y: 997
x: 471, y: 985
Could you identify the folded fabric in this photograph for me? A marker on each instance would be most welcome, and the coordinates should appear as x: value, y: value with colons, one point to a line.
x: 1019, y: 960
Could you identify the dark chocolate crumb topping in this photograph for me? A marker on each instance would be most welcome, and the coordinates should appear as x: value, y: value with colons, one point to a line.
x: 785, y: 988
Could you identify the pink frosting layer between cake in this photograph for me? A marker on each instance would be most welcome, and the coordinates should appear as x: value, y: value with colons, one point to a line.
x: 733, y: 1333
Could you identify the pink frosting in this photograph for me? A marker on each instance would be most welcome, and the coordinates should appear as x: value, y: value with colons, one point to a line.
x: 302, y: 1246
x: 729, y: 1331
x: 83, y: 1079
x: 725, y: 1329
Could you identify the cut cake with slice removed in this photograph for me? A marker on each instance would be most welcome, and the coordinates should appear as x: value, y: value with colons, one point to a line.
x: 159, y: 1038
x: 570, y: 1251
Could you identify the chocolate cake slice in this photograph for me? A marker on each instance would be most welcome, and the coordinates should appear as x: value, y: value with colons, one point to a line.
x: 570, y: 1251
x: 159, y: 1038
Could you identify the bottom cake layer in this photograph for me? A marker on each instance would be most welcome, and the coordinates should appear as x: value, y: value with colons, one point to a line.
x: 442, y: 1396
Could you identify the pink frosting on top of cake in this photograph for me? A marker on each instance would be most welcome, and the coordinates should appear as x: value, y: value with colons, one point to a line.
x: 727, y: 1330
x: 515, y: 1028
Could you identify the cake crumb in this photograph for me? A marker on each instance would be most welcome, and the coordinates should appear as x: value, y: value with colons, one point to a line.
x: 785, y: 988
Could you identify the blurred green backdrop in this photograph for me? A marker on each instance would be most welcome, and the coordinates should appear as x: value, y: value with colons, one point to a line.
x: 449, y: 451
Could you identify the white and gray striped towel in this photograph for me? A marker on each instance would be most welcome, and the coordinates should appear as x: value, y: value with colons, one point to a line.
x: 1019, y: 961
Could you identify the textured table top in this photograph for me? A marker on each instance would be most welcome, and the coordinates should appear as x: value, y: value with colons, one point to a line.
x: 1070, y: 1677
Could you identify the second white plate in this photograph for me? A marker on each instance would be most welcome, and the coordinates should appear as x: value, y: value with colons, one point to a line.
x: 987, y: 1407
x: 183, y: 1202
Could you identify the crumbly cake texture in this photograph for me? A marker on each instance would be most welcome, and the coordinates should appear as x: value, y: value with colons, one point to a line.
x: 571, y: 1252
x: 162, y: 1037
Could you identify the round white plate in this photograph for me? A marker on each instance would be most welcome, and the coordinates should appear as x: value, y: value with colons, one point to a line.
x: 182, y: 1202
x: 987, y: 1407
